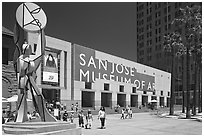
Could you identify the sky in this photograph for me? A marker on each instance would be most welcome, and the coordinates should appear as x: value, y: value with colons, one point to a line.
x: 108, y: 27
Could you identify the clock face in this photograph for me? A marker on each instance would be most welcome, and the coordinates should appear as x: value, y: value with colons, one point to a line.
x: 31, y: 17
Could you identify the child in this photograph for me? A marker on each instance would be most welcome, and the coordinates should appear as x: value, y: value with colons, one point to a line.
x: 81, y: 118
x: 89, y: 119
x: 123, y: 113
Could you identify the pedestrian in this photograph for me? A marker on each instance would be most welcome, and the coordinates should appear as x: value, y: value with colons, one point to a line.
x: 81, y: 118
x: 89, y: 119
x: 76, y: 106
x: 102, y: 117
x: 72, y: 117
x: 130, y: 113
x: 56, y: 113
x: 127, y: 112
x: 29, y: 116
x: 122, y: 114
x: 72, y: 107
x: 35, y: 115
x: 65, y: 116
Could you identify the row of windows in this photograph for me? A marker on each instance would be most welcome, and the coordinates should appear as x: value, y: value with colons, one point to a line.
x: 158, y: 5
x: 157, y: 22
x: 140, y: 15
x: 88, y: 85
x: 149, y: 26
x: 140, y: 30
x: 158, y: 14
x: 140, y: 22
x: 141, y: 45
x: 149, y: 57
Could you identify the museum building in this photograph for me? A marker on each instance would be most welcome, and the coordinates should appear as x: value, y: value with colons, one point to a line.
x: 71, y: 73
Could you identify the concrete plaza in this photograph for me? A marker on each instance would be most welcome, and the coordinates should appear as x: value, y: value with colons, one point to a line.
x: 144, y: 124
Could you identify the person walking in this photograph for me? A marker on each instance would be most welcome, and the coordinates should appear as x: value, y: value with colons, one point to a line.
x: 76, y: 107
x: 89, y: 119
x: 81, y: 118
x: 122, y: 114
x: 72, y: 107
x: 102, y: 117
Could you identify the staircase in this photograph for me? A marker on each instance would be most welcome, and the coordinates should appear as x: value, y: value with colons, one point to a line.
x: 43, y: 128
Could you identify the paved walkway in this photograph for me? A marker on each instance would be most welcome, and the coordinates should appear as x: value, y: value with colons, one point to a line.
x: 144, y: 124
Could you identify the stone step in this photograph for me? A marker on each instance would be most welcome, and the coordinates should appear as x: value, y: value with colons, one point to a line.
x: 35, y: 128
x: 76, y: 131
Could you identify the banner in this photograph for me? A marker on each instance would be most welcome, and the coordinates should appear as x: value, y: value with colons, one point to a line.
x: 50, y: 71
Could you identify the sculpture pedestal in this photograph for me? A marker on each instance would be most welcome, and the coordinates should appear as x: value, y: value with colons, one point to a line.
x: 43, y: 128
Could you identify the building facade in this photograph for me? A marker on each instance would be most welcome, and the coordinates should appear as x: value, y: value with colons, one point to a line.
x: 154, y: 21
x: 71, y: 73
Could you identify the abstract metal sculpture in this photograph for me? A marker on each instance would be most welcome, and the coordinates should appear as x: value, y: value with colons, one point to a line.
x: 30, y: 18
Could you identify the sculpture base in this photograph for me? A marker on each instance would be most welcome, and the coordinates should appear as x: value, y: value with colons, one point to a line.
x: 43, y: 128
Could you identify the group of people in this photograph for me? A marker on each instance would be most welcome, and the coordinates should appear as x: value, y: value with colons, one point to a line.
x: 126, y: 113
x: 33, y: 115
x: 67, y: 117
x: 81, y: 116
x: 85, y: 120
x: 89, y: 118
x: 76, y: 106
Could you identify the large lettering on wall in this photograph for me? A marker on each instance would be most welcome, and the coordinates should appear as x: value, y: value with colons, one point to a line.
x: 89, y: 69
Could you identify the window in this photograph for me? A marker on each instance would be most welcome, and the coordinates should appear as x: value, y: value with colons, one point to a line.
x: 144, y: 92
x: 106, y: 86
x: 88, y: 85
x: 169, y: 8
x: 165, y: 10
x: 154, y: 93
x: 133, y: 89
x: 149, y: 18
x: 162, y: 93
x: 121, y: 88
x: 165, y: 19
x: 191, y: 67
x: 176, y: 5
x: 168, y: 93
x: 169, y: 18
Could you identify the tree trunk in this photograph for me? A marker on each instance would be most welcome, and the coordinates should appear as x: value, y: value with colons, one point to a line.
x: 183, y: 93
x: 188, y: 115
x: 199, y: 90
x: 172, y: 99
x: 195, y: 88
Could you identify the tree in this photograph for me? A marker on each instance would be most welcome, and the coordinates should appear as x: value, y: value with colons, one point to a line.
x: 172, y: 43
x: 191, y: 20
